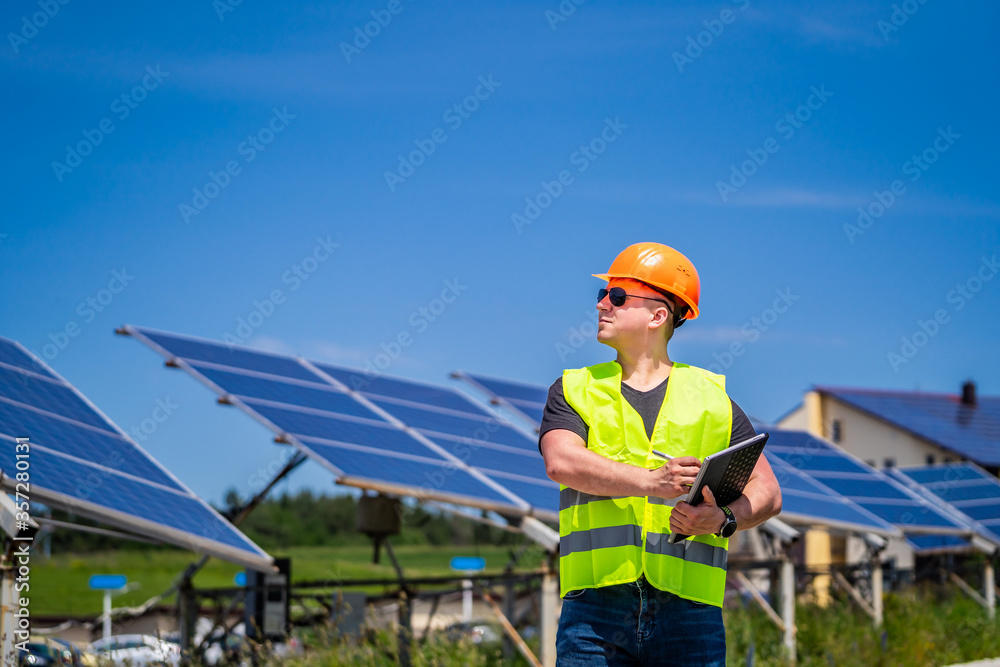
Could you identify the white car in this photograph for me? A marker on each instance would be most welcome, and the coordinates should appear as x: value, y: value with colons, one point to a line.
x: 138, y: 650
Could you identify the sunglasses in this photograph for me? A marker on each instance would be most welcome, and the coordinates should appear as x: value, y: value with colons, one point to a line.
x: 617, y: 296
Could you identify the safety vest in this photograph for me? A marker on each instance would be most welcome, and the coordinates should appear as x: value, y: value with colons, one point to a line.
x: 608, y: 540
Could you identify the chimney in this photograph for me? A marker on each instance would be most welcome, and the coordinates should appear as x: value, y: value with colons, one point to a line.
x: 969, y: 393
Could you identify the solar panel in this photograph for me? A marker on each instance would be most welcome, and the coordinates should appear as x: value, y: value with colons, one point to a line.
x: 76, y: 440
x: 404, y: 390
x: 315, y: 396
x: 929, y: 544
x: 369, y: 430
x: 805, y: 501
x: 426, y: 477
x: 82, y: 463
x: 528, y: 400
x: 458, y: 425
x: 29, y: 389
x: 964, y: 488
x: 870, y: 489
x: 226, y: 355
x: 13, y: 354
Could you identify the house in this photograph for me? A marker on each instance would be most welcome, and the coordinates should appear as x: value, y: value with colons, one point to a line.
x: 904, y: 428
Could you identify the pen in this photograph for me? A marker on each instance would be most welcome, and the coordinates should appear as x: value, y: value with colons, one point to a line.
x: 662, y: 455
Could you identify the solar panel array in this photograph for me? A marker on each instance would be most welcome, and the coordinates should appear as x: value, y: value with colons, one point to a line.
x: 372, y: 430
x: 79, y: 461
x: 805, y: 501
x: 965, y: 487
x: 871, y: 489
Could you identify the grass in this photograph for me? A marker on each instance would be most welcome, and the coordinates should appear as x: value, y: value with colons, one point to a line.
x: 923, y: 626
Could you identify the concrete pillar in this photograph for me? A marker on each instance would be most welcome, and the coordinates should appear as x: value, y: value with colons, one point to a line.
x: 788, y: 606
x: 549, y: 621
x: 8, y: 605
x: 989, y: 583
x: 877, y: 590
x: 818, y: 558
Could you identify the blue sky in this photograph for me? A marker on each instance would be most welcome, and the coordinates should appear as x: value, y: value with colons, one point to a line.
x: 279, y: 138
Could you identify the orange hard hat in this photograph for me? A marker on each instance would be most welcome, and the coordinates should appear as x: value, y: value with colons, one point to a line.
x: 662, y: 267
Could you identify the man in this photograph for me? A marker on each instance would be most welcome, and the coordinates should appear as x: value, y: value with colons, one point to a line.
x: 630, y: 597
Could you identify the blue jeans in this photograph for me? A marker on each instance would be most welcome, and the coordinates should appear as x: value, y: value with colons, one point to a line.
x: 637, y: 624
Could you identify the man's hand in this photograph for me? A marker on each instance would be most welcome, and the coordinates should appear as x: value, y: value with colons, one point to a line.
x: 702, y: 519
x: 675, y: 477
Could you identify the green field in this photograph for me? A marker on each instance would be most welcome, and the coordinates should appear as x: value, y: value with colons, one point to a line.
x: 59, y: 585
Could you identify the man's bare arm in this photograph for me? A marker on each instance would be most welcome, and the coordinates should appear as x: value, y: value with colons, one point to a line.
x: 569, y: 462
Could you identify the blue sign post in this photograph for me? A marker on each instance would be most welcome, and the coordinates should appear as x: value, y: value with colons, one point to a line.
x: 108, y: 583
x: 470, y: 565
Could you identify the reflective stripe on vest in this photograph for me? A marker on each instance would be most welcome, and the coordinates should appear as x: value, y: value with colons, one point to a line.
x: 607, y: 540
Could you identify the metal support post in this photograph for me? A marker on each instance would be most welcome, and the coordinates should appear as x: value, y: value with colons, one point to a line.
x: 187, y: 609
x: 510, y: 609
x: 405, y: 632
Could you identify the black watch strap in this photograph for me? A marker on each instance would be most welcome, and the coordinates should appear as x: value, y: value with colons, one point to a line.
x: 729, y: 527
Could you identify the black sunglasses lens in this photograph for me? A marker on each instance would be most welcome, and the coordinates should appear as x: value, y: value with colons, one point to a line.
x: 616, y: 295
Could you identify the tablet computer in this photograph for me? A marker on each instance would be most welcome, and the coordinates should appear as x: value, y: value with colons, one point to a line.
x: 726, y: 473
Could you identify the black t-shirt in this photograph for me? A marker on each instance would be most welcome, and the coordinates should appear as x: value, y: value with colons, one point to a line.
x: 560, y: 414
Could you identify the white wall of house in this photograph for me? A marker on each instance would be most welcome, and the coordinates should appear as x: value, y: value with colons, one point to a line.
x: 796, y: 420
x: 866, y: 437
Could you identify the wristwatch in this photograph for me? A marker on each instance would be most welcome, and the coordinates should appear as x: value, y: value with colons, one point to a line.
x: 729, y: 527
